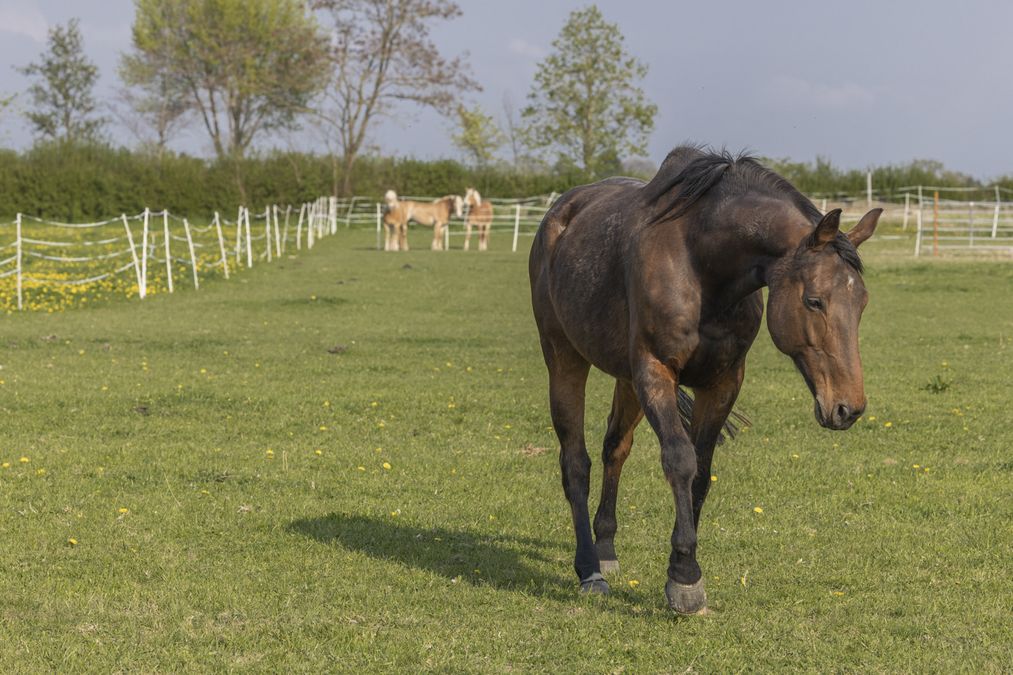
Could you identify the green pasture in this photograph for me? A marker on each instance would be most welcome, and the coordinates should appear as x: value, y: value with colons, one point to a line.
x: 342, y: 462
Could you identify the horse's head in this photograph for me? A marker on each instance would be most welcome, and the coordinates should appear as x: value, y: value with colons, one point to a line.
x: 472, y: 198
x: 390, y: 199
x: 815, y: 303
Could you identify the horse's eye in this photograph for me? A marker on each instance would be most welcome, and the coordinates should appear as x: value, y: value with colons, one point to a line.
x: 814, y: 304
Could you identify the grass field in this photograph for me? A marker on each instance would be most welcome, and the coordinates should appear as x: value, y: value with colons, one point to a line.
x: 196, y: 482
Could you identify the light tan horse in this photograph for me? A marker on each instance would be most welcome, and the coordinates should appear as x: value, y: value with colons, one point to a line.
x: 395, y: 221
x: 435, y: 214
x: 479, y: 215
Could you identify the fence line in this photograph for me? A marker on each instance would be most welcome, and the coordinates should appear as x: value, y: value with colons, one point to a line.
x: 206, y: 247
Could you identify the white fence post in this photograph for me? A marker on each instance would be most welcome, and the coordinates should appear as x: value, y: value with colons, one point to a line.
x: 379, y: 225
x: 221, y: 244
x: 868, y: 189
x: 517, y: 226
x: 918, y: 234
x: 995, y: 215
x: 239, y: 237
x: 168, y: 255
x: 19, y: 272
x: 133, y: 253
x: 267, y: 231
x: 334, y: 214
x: 907, y: 208
x: 144, y: 252
x: 193, y: 257
x: 284, y: 235
x: 311, y: 224
x: 249, y: 244
x: 298, y: 228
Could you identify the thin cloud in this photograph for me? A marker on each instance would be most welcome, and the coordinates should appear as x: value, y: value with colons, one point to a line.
x: 522, y: 47
x: 23, y: 19
x: 795, y: 91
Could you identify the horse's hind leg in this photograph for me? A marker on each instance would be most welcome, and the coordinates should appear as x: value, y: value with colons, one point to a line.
x: 624, y: 418
x: 483, y: 237
x: 567, y: 379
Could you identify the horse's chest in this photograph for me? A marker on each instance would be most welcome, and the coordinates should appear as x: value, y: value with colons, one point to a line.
x: 722, y: 345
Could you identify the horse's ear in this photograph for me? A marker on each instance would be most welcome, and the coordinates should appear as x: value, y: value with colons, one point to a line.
x: 866, y: 226
x: 826, y: 230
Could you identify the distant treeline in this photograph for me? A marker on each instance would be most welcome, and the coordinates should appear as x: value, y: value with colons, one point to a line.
x: 75, y: 183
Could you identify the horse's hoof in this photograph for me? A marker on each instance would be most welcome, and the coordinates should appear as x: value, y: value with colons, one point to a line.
x: 594, y: 585
x: 686, y: 599
x: 609, y: 566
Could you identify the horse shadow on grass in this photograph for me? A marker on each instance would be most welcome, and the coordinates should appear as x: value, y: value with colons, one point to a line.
x: 503, y: 561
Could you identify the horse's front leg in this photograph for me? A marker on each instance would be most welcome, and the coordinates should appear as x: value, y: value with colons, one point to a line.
x: 657, y: 387
x: 711, y: 408
x: 467, y: 234
x: 437, y: 236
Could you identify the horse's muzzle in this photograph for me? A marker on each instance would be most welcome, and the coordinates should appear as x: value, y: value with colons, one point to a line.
x: 841, y: 417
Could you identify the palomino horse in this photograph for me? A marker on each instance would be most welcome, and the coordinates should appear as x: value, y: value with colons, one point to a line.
x: 479, y: 215
x: 435, y: 214
x: 658, y: 284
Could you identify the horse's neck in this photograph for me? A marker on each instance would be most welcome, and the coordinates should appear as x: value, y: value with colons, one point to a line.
x: 738, y: 252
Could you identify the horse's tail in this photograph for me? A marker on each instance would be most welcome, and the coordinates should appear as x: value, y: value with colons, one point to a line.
x: 735, y: 422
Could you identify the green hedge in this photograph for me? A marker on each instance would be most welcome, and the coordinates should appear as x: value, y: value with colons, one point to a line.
x: 78, y: 183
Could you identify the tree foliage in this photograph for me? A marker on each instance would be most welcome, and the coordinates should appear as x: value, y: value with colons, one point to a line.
x: 383, y: 56
x: 584, y: 103
x: 477, y: 134
x: 244, y: 66
x: 63, y: 103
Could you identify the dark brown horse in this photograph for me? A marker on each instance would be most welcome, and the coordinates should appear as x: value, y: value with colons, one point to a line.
x: 658, y: 284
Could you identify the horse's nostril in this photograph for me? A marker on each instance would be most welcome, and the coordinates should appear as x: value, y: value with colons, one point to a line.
x: 842, y: 413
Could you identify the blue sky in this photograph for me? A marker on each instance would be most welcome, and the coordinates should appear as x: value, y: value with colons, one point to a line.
x: 862, y: 82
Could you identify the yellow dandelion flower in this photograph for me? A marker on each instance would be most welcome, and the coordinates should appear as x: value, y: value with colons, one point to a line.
x: 25, y: 460
x: 758, y: 509
x: 72, y: 541
x: 327, y: 404
x: 80, y: 352
x: 6, y: 465
x: 123, y: 510
x: 838, y: 593
x: 386, y: 466
x: 361, y: 468
x: 203, y: 371
x: 318, y: 452
x: 794, y: 456
x: 323, y: 427
x: 916, y: 466
x: 714, y: 479
x: 872, y: 418
x: 633, y: 583
x: 492, y: 517
x: 888, y: 424
x: 40, y: 472
x: 374, y: 404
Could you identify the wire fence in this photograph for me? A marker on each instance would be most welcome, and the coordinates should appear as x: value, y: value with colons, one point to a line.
x: 51, y: 264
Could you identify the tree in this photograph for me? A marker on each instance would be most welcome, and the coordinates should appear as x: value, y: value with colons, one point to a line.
x: 584, y: 102
x: 244, y: 66
x: 157, y: 106
x: 383, y: 56
x: 477, y: 135
x: 63, y: 103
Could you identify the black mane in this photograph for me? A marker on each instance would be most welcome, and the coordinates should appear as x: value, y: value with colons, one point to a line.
x: 695, y: 169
